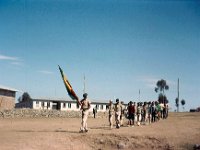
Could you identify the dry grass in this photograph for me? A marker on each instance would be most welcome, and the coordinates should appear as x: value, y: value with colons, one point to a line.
x: 179, y: 131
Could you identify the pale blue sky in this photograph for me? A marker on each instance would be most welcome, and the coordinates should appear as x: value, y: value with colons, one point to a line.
x: 120, y: 46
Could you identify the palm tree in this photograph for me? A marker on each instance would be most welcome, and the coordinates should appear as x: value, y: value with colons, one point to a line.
x: 177, y: 103
x: 161, y: 87
x: 183, y: 103
x: 162, y: 98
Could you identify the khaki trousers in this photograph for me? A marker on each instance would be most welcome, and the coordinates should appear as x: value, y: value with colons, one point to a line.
x: 117, y: 118
x: 84, y: 119
x: 110, y: 119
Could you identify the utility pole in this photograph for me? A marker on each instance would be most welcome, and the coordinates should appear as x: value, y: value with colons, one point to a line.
x: 178, y: 97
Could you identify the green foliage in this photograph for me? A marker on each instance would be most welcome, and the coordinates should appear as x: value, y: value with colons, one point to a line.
x: 162, y: 98
x: 182, y: 102
x: 25, y: 97
x: 161, y: 86
x: 177, y: 102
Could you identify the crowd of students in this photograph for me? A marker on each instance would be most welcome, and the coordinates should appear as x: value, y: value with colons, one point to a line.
x: 136, y: 113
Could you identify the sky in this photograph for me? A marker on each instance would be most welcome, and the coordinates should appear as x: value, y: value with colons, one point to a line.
x: 121, y: 47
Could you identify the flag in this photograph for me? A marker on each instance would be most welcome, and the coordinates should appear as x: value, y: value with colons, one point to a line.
x: 70, y: 91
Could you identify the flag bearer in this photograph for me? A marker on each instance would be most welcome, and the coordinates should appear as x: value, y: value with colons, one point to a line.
x: 118, y: 109
x: 85, y: 106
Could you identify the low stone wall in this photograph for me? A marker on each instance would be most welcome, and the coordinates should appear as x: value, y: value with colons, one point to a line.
x: 32, y: 113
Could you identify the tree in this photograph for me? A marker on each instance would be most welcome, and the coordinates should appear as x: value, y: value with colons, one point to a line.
x: 162, y: 99
x: 25, y: 97
x: 161, y: 86
x: 183, y: 103
x: 177, y: 103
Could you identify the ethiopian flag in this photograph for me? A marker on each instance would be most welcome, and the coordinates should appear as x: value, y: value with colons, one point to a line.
x: 70, y: 91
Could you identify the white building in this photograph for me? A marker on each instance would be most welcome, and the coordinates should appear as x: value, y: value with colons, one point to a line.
x: 60, y: 104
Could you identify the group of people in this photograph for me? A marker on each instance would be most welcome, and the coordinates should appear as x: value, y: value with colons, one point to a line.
x: 117, y: 110
x: 136, y: 113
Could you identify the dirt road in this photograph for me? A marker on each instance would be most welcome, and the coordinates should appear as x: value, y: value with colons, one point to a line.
x: 179, y: 131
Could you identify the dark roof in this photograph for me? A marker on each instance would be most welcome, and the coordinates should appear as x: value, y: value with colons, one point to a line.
x: 8, y: 89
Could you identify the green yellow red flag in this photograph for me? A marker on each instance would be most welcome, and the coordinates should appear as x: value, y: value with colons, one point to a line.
x: 68, y: 86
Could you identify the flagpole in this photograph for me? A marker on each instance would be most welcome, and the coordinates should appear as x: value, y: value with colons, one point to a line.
x: 84, y: 84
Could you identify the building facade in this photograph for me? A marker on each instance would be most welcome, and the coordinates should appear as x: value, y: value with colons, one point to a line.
x: 7, y: 98
x: 59, y: 104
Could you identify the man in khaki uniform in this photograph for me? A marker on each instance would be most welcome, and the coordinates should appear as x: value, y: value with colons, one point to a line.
x: 123, y: 109
x: 118, y: 109
x: 85, y: 106
x: 111, y: 109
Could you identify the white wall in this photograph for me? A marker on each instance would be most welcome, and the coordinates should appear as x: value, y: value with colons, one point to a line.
x: 69, y: 106
x: 38, y: 105
x: 100, y: 107
x: 65, y: 106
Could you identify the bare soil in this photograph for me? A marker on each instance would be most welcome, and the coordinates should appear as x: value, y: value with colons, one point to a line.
x: 179, y: 131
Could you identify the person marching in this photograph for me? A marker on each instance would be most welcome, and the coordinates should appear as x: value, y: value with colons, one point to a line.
x: 123, y: 109
x: 139, y: 111
x: 111, y: 113
x: 85, y: 106
x: 118, y: 109
x: 149, y: 111
x: 131, y: 113
x: 135, y: 113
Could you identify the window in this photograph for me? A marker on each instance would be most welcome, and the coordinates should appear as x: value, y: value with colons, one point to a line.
x: 77, y: 106
x: 69, y: 105
x: 42, y: 104
x: 64, y: 105
x: 37, y: 103
x: 48, y: 104
x: 101, y: 107
x: 97, y: 107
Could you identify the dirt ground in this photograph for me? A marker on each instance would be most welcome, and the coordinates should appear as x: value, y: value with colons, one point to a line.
x: 179, y: 131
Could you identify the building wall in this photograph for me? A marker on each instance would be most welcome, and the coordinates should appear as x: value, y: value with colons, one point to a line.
x: 63, y: 106
x: 70, y: 106
x: 67, y: 106
x: 7, y: 102
x: 7, y: 98
x: 7, y: 93
x: 99, y: 106
x: 42, y: 105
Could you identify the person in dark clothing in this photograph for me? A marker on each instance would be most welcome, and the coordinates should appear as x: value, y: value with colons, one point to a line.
x: 94, y: 112
x: 131, y: 111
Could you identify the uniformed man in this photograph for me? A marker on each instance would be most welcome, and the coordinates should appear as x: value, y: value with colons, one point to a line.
x: 85, y: 106
x: 111, y: 113
x: 118, y: 109
x: 123, y: 109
